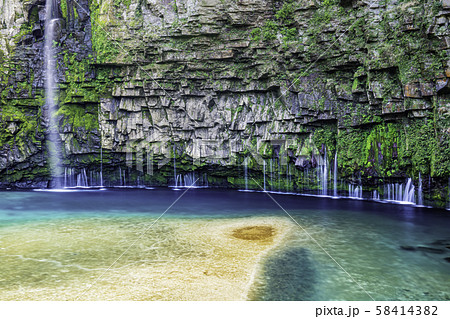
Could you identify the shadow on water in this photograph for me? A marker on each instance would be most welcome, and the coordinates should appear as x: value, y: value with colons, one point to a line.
x: 288, y: 275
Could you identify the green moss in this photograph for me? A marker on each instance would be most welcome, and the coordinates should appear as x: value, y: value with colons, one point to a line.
x: 64, y: 8
x: 105, y: 47
x: 326, y: 136
x: 79, y: 116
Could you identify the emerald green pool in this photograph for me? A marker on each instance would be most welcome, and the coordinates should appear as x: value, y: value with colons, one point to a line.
x: 76, y: 246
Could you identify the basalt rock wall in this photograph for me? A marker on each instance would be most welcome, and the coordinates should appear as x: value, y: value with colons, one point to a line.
x: 290, y: 85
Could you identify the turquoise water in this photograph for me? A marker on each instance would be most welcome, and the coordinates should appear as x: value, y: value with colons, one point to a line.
x: 40, y: 233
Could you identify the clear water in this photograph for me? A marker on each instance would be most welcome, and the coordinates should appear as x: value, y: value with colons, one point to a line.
x: 55, y: 245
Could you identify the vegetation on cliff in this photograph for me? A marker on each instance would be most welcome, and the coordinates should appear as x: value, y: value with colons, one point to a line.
x: 370, y: 82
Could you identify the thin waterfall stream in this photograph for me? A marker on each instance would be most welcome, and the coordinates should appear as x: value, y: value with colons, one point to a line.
x: 54, y: 144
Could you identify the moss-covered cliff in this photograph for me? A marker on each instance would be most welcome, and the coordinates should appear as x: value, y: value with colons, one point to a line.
x: 211, y: 82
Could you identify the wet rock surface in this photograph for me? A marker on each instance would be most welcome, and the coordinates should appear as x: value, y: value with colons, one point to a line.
x: 217, y: 80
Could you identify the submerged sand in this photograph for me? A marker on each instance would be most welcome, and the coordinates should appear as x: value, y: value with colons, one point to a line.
x: 176, y: 259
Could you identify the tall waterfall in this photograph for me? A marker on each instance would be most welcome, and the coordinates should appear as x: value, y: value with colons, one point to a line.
x: 101, y: 151
x: 50, y: 93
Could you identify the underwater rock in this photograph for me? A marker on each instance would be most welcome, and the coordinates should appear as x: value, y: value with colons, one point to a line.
x: 409, y: 248
x: 441, y: 242
x: 430, y: 250
x: 254, y: 232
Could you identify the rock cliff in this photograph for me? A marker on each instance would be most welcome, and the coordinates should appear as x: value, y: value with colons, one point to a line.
x: 284, y: 86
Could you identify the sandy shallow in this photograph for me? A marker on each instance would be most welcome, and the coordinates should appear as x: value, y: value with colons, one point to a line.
x: 176, y: 259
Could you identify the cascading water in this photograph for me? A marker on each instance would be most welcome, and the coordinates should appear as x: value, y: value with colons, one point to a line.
x: 246, y: 173
x: 50, y: 93
x: 335, y: 176
x: 175, y: 168
x: 205, y: 180
x: 101, y: 154
x: 279, y: 175
x: 264, y: 173
x: 419, y: 192
x: 288, y: 177
x: 354, y: 191
x: 82, y: 180
x: 399, y: 192
x: 271, y: 174
x: 375, y: 195
x: 323, y: 175
x: 409, y: 192
x: 305, y: 180
x: 190, y: 180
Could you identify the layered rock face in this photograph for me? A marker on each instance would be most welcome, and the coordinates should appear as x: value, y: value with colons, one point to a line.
x: 285, y: 86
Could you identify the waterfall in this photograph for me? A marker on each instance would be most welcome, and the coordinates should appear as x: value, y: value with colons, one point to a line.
x: 305, y: 180
x: 288, y: 177
x: 271, y: 174
x: 279, y: 175
x: 354, y: 191
x: 375, y: 195
x: 246, y: 173
x: 409, y: 192
x: 101, y: 178
x: 400, y: 192
x: 420, y: 192
x: 335, y: 175
x: 50, y: 94
x: 323, y: 174
x: 189, y: 180
x: 175, y: 167
x: 82, y: 180
x: 101, y: 160
x: 264, y: 173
